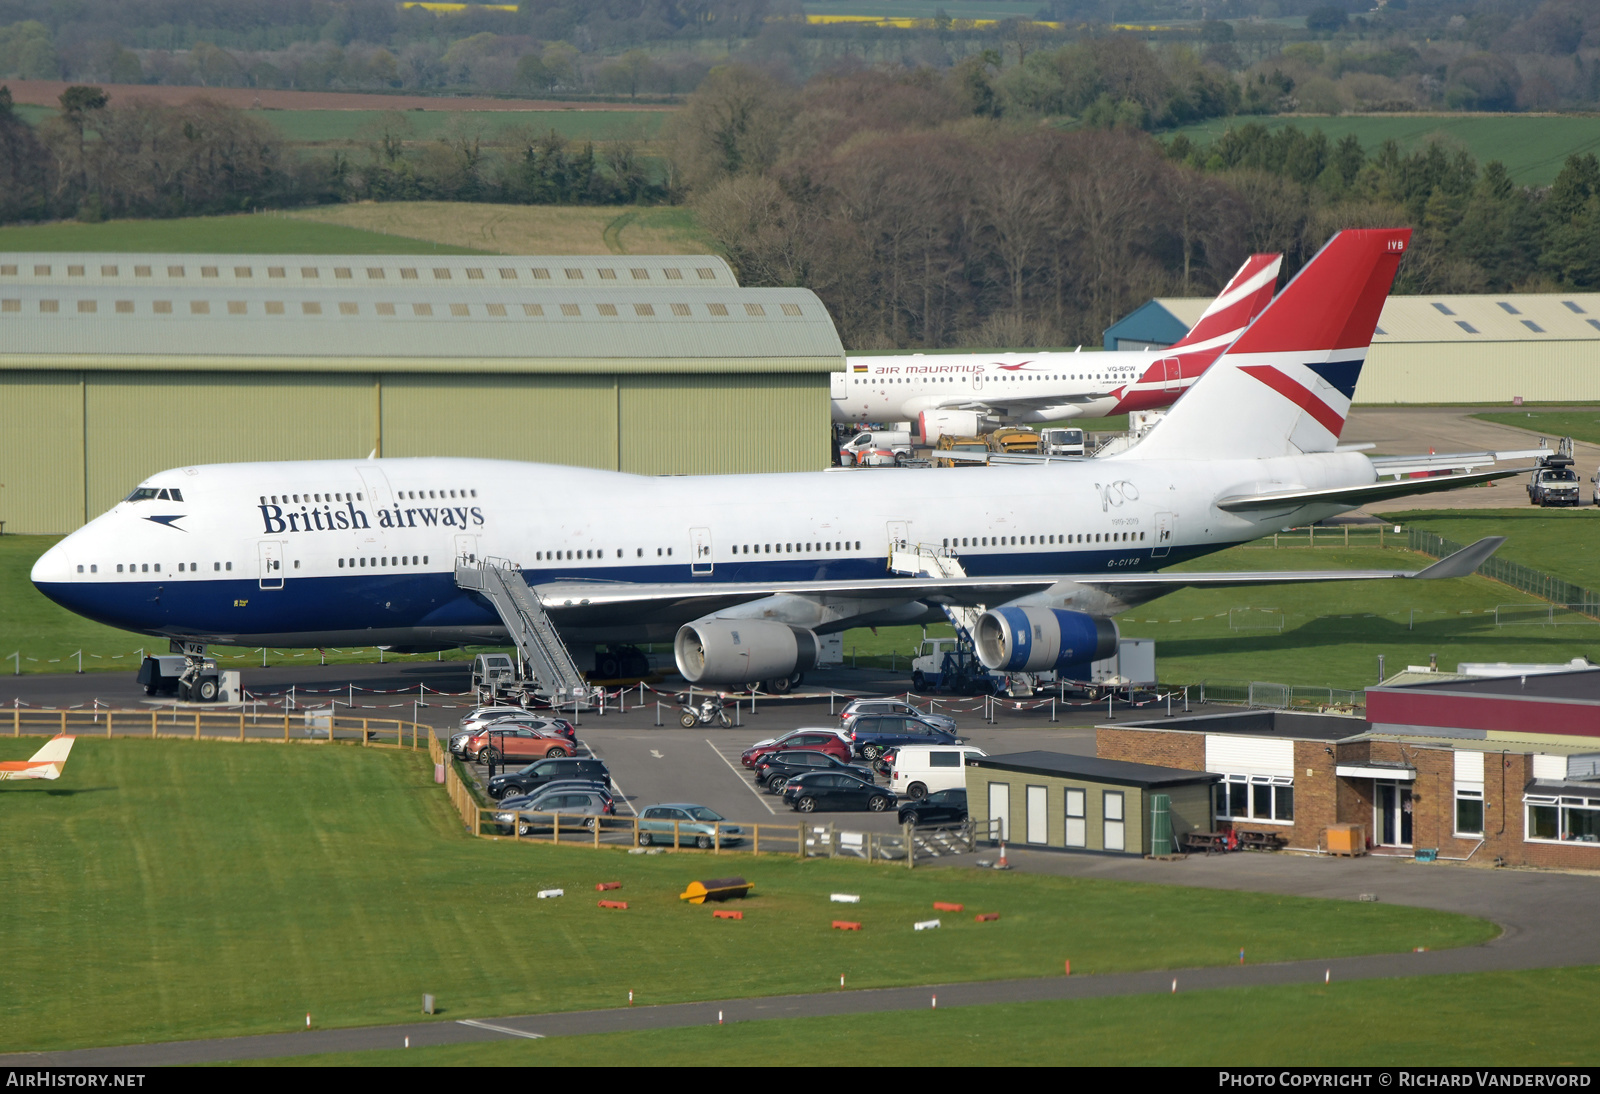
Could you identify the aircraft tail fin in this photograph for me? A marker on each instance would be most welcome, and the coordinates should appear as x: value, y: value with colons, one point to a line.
x: 1245, y: 296
x: 55, y: 751
x: 1285, y: 385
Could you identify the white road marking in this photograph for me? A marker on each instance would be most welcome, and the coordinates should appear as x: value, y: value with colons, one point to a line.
x: 620, y: 795
x: 500, y: 1029
x: 656, y: 754
x: 760, y: 797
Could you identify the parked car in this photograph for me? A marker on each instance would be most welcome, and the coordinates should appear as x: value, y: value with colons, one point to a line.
x: 831, y: 741
x: 920, y: 770
x: 537, y: 774
x: 829, y: 790
x: 566, y: 802
x: 535, y: 800
x: 694, y: 823
x: 895, y: 706
x: 503, y: 718
x: 872, y: 734
x: 1554, y: 483
x: 777, y: 768
x: 940, y: 807
x: 520, y: 742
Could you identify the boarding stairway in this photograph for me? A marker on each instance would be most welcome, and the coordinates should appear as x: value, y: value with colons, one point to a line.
x: 541, y: 654
x: 918, y: 559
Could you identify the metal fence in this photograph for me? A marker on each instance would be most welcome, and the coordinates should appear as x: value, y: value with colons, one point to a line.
x: 1574, y: 598
x: 1266, y: 695
x: 314, y: 726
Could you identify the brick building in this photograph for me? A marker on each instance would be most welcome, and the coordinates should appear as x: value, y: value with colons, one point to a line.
x: 1469, y: 775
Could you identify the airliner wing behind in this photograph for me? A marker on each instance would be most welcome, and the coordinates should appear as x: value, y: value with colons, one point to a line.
x: 45, y: 764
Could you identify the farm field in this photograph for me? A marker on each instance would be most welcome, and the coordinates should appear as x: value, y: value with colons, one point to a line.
x: 1433, y: 1021
x: 214, y: 888
x: 917, y: 9
x: 1532, y: 146
x: 1580, y: 425
x: 525, y: 229
x: 243, y: 233
x: 495, y: 126
x: 47, y: 93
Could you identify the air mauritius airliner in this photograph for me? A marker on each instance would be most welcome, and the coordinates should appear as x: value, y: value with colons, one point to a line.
x: 743, y: 572
x: 965, y: 393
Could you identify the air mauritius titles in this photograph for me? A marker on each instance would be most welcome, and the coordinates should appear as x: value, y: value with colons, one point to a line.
x: 310, y: 518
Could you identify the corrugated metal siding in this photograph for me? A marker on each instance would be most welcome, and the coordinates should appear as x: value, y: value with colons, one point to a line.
x: 1230, y: 755
x: 1480, y: 372
x: 141, y: 423
x: 545, y: 419
x: 705, y: 425
x: 41, y: 451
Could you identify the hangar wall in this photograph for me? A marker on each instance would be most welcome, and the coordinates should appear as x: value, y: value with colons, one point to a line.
x: 72, y: 444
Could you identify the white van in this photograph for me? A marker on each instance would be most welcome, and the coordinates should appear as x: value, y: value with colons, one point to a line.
x: 920, y: 770
x: 876, y: 448
x: 1061, y: 442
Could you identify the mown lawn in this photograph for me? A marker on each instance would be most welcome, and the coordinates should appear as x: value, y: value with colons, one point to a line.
x: 174, y: 889
x: 243, y: 233
x: 1498, y: 1019
x: 1581, y: 425
x: 1560, y: 542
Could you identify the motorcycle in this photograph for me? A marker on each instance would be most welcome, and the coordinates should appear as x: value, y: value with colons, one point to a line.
x: 707, y: 712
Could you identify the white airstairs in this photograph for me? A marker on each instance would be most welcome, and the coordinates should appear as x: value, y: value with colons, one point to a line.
x: 541, y: 655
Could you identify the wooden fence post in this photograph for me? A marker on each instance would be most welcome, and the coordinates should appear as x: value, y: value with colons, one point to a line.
x: 755, y: 839
x: 197, y: 727
x: 63, y: 721
x: 152, y: 725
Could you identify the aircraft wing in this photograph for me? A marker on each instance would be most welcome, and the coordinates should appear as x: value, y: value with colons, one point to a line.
x: 1449, y: 461
x: 1359, y: 495
x: 591, y: 603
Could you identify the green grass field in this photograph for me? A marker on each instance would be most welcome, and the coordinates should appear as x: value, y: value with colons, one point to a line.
x: 1581, y: 425
x: 241, y: 234
x: 1534, y: 1019
x: 1560, y: 542
x: 1533, y: 147
x: 177, y: 889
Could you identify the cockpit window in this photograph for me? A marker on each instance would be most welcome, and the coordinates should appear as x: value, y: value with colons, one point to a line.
x: 144, y: 493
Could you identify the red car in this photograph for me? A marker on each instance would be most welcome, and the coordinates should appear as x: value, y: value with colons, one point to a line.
x: 819, y: 740
x: 516, y: 743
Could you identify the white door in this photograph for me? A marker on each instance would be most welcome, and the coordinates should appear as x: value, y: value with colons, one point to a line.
x: 271, y: 564
x: 1000, y: 808
x: 1163, y: 536
x: 899, y: 534
x: 977, y: 381
x: 700, y: 551
x: 1038, y: 815
x: 467, y: 548
x: 377, y: 484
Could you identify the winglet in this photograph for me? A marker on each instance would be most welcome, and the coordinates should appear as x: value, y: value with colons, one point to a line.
x: 1465, y: 561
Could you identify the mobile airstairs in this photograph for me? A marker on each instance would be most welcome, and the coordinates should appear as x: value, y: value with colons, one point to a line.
x: 544, y: 665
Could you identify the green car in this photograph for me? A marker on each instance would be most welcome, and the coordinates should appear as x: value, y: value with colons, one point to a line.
x: 695, y: 825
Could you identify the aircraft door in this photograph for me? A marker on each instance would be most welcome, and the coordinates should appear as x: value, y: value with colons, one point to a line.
x: 271, y: 556
x: 467, y: 548
x: 977, y: 381
x: 701, y: 561
x: 1163, y: 536
x: 899, y: 535
x: 377, y: 484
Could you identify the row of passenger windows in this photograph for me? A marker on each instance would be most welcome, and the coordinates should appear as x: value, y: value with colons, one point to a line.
x: 555, y: 556
x: 794, y: 548
x: 381, y: 560
x: 314, y: 499
x: 1033, y: 541
x: 155, y: 567
x: 350, y: 307
x: 375, y: 273
x: 995, y: 378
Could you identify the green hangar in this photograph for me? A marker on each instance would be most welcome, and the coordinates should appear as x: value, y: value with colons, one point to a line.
x: 114, y: 366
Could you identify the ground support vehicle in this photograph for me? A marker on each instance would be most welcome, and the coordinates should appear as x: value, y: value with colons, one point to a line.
x: 617, y: 664
x: 1061, y: 442
x: 1013, y: 439
x: 828, y: 790
x: 950, y: 442
x: 690, y: 823
x: 873, y: 734
x: 876, y: 448
x: 1554, y: 482
x: 949, y: 664
x: 200, y: 682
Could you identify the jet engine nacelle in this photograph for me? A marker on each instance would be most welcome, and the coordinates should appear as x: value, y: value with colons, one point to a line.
x: 742, y: 651
x: 1037, y: 639
x: 959, y: 423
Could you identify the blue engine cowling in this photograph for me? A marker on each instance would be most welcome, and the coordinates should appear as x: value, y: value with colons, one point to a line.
x: 1038, y: 639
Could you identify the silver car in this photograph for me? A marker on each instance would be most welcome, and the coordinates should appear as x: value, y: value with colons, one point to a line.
x: 895, y: 706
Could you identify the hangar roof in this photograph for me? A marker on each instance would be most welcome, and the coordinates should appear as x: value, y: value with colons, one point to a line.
x: 1495, y: 317
x: 403, y: 313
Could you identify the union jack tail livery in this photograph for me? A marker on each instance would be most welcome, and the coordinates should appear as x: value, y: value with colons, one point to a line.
x: 1287, y: 382
x: 1245, y: 297
x: 45, y: 764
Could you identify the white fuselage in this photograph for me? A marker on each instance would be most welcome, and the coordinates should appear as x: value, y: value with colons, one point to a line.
x: 331, y: 552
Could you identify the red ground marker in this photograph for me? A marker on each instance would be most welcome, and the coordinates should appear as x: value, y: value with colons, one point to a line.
x: 941, y: 906
x: 845, y: 925
x: 623, y: 904
x: 604, y: 885
x: 719, y: 914
x: 987, y: 917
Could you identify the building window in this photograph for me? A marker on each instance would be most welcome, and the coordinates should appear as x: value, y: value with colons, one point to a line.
x: 1077, y: 821
x: 1469, y: 812
x: 1561, y: 820
x: 1256, y: 798
x: 1115, y: 825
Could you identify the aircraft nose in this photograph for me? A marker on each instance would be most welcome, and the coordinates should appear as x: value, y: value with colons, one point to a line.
x: 53, y: 567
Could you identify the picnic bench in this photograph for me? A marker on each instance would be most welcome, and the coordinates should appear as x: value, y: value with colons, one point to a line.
x: 1260, y: 840
x: 1212, y: 843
